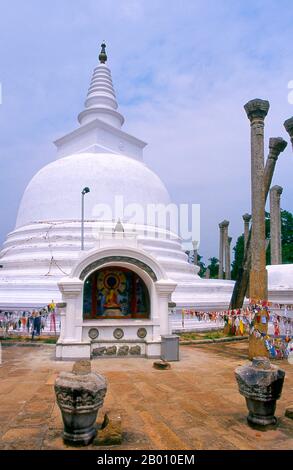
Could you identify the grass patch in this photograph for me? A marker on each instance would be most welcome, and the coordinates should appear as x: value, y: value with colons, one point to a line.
x: 28, y: 339
x: 50, y: 340
x: 204, y: 335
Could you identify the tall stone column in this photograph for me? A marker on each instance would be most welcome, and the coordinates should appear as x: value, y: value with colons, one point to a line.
x: 276, y: 146
x: 275, y: 224
x: 228, y: 259
x: 226, y: 248
x: 289, y: 128
x: 256, y: 112
x: 221, y: 251
x: 207, y: 273
x: 195, y: 252
x: 258, y: 283
x: 246, y: 218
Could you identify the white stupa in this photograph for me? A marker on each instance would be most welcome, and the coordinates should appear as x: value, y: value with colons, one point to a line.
x: 46, y: 243
x: 280, y: 283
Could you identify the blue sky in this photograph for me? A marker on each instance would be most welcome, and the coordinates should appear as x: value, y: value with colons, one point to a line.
x: 182, y: 73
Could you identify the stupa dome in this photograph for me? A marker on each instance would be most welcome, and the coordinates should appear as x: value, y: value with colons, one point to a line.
x: 98, y: 154
x: 54, y: 193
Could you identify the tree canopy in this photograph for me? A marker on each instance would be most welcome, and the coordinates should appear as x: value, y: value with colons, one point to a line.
x: 287, y: 248
x: 286, y: 237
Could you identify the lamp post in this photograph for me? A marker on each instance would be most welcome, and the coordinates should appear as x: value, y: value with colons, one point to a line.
x: 83, y: 192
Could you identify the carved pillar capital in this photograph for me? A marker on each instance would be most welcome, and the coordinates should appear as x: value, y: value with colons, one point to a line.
x: 246, y: 217
x: 288, y: 124
x: 276, y: 146
x: 257, y: 110
x: 277, y: 190
x: 223, y: 224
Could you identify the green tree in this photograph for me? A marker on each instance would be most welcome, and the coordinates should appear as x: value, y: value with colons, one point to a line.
x: 200, y: 263
x: 202, y: 266
x: 287, y: 236
x: 238, y: 256
x: 214, y: 267
x: 287, y: 243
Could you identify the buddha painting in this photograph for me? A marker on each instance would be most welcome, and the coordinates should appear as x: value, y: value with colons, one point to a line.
x: 111, y: 282
x: 115, y: 292
x: 111, y: 300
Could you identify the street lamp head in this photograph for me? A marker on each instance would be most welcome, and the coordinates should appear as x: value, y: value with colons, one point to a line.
x: 85, y: 190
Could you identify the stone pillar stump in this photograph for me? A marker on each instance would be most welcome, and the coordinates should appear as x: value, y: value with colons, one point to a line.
x: 261, y: 384
x: 80, y: 394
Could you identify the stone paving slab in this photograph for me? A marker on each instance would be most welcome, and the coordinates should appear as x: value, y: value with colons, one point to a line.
x: 194, y: 405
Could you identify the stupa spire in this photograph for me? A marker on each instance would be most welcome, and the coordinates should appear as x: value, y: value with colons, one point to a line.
x: 101, y: 100
x: 103, y: 56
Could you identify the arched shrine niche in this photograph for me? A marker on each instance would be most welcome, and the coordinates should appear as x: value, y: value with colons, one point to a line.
x: 115, y: 292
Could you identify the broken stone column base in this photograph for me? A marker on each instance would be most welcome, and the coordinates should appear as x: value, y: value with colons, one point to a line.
x: 261, y: 384
x: 80, y: 394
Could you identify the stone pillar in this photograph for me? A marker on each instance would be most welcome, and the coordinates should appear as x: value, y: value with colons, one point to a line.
x: 256, y: 112
x: 226, y: 249
x: 275, y: 224
x: 276, y: 146
x: 195, y: 253
x: 289, y: 128
x: 80, y: 394
x: 222, y: 249
x: 261, y: 384
x: 221, y: 252
x: 258, y: 282
x: 246, y: 217
x: 207, y: 274
x: 228, y: 259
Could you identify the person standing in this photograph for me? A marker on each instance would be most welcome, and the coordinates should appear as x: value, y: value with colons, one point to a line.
x: 23, y: 321
x: 37, y: 324
x: 33, y: 323
x: 51, y: 308
x: 28, y: 321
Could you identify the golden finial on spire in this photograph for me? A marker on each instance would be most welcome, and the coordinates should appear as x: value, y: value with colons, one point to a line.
x: 103, y: 55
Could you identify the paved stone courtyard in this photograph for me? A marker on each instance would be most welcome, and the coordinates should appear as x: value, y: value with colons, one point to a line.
x: 195, y: 405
